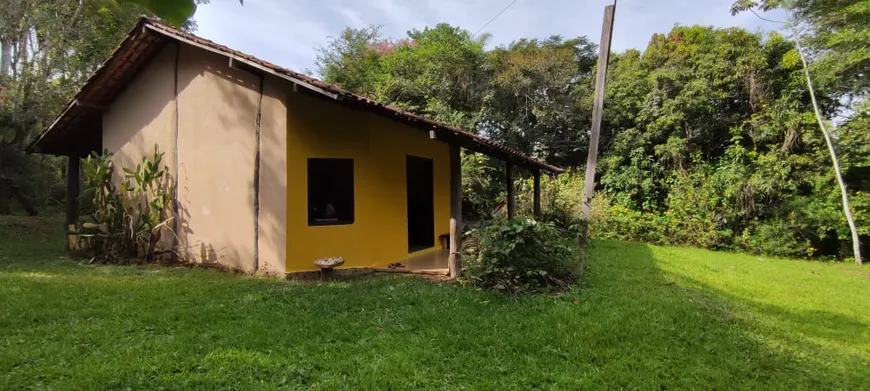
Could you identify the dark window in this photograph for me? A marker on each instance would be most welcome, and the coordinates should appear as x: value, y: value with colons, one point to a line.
x: 330, y: 191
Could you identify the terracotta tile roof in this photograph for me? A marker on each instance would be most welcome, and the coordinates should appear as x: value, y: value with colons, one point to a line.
x: 149, y: 36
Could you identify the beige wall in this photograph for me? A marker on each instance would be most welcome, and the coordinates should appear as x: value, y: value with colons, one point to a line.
x: 216, y: 148
x: 273, y: 178
x: 144, y: 115
x: 217, y: 109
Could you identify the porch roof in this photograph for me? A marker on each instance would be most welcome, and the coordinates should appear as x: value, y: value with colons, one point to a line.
x: 66, y: 137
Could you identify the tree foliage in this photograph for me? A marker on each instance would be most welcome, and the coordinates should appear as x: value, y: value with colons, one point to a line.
x: 49, y: 48
x: 708, y: 136
x: 176, y: 12
x: 837, y: 36
x: 724, y: 151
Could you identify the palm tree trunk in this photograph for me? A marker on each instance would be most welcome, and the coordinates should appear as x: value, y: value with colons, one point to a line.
x: 847, y: 209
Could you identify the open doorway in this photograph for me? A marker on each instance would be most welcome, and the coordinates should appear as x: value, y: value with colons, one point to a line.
x: 421, y: 205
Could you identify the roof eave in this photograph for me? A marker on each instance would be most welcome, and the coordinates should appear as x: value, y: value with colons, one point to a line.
x: 466, y: 139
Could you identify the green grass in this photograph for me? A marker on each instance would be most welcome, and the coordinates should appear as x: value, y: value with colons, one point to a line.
x: 646, y: 317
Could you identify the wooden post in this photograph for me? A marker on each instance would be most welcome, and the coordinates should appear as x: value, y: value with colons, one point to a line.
x: 537, y: 195
x: 72, y: 190
x: 455, y: 209
x: 597, y: 108
x: 509, y: 182
x: 257, y: 162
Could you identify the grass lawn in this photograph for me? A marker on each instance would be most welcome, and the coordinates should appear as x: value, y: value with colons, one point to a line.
x: 646, y: 317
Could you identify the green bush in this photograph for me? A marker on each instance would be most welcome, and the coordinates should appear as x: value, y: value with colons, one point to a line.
x: 131, y: 220
x: 482, y: 184
x: 616, y: 221
x: 518, y: 256
x: 775, y: 237
x: 561, y: 200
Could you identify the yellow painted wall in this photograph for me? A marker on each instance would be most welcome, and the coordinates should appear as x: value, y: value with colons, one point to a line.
x: 317, y: 128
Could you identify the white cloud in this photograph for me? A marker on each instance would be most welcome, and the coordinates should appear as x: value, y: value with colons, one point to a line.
x: 351, y: 17
x: 396, y: 13
x: 287, y: 32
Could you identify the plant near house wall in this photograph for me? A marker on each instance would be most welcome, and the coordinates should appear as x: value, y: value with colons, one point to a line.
x: 104, y: 227
x: 132, y: 219
x: 147, y: 196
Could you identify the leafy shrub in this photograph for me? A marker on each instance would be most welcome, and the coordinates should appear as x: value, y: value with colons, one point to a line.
x: 561, y: 200
x: 480, y: 185
x: 727, y: 207
x: 520, y: 256
x: 622, y: 223
x: 106, y: 222
x: 775, y: 237
x: 129, y: 221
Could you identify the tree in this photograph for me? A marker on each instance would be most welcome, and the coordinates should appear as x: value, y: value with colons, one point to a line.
x: 537, y: 89
x: 525, y: 95
x: 351, y: 61
x: 441, y: 71
x: 49, y: 49
x: 837, y: 40
x: 839, y: 37
x: 713, y: 136
x: 697, y: 84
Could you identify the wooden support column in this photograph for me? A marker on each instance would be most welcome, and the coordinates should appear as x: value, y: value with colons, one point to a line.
x: 455, y: 209
x: 509, y: 182
x: 537, y: 195
x: 597, y: 109
x: 72, y: 190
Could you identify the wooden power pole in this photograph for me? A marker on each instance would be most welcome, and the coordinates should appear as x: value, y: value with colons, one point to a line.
x: 597, y: 108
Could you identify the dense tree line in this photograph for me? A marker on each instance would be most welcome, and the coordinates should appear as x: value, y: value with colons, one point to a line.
x: 709, y: 138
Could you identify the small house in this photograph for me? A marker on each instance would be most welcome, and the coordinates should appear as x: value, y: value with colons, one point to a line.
x: 273, y: 169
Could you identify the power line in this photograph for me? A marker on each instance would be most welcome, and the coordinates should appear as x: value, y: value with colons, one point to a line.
x: 494, y: 18
x: 765, y: 19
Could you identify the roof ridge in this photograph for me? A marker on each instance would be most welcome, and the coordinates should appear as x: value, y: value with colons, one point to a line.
x: 329, y: 89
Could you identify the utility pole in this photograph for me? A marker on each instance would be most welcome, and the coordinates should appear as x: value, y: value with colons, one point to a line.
x: 597, y: 108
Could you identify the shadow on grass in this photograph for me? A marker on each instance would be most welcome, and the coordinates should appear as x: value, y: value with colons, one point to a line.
x: 629, y: 327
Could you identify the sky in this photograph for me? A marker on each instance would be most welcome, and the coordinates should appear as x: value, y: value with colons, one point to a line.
x: 288, y: 32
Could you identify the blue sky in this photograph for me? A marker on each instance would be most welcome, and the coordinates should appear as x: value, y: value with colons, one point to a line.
x: 287, y: 32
